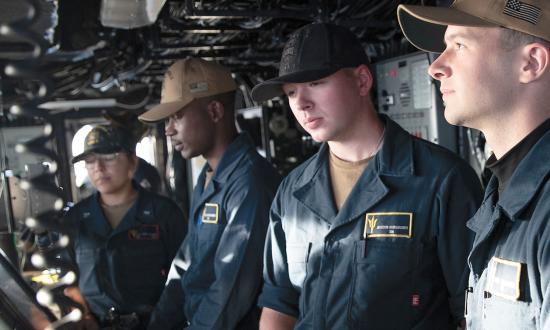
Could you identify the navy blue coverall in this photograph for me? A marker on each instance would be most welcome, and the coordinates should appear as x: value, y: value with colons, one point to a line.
x: 216, y: 276
x: 126, y: 267
x: 393, y: 257
x: 510, y: 258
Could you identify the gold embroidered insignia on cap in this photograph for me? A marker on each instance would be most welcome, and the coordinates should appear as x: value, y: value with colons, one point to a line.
x: 503, y: 278
x: 210, y: 213
x: 92, y: 138
x: 388, y: 224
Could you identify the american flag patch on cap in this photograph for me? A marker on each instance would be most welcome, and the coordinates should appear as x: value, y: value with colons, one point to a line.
x: 523, y: 11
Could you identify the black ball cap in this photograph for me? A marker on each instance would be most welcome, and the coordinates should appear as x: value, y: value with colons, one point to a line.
x: 103, y: 139
x: 313, y: 52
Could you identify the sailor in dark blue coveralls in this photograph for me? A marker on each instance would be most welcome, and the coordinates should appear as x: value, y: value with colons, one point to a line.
x: 124, y: 238
x: 216, y: 277
x: 369, y: 233
x: 508, y: 99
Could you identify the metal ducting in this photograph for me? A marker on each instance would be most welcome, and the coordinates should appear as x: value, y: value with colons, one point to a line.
x: 129, y: 14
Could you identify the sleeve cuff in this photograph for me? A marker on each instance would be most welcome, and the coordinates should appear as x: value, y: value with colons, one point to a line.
x: 283, y: 300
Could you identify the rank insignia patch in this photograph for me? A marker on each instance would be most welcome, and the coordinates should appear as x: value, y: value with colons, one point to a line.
x: 145, y: 232
x: 388, y: 224
x: 210, y: 213
x: 503, y: 278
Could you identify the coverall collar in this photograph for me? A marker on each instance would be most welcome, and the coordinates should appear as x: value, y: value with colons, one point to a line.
x: 234, y: 151
x: 396, y: 156
x: 531, y: 173
x: 227, y: 165
x: 140, y: 212
x: 504, y: 167
x: 314, y: 190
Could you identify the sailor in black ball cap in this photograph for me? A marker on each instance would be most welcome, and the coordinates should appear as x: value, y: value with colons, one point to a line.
x: 369, y: 233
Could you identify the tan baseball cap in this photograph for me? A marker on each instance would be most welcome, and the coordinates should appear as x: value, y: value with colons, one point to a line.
x: 187, y: 80
x: 425, y: 26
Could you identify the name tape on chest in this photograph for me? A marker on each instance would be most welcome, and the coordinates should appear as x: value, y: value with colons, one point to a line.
x: 145, y: 232
x: 210, y: 213
x: 388, y: 224
x: 504, y: 278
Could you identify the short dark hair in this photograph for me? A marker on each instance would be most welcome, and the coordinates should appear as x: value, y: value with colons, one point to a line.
x: 226, y: 99
x: 513, y: 38
x: 129, y: 154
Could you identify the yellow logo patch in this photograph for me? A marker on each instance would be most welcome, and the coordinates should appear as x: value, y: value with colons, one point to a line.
x: 388, y: 224
x: 210, y: 213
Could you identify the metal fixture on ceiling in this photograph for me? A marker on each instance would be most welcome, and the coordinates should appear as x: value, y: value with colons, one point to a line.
x: 129, y: 14
x: 245, y: 35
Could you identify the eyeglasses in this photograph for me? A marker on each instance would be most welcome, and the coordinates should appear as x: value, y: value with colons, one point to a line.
x: 105, y: 159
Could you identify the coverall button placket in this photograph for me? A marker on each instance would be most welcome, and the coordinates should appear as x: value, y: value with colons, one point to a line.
x: 325, y: 274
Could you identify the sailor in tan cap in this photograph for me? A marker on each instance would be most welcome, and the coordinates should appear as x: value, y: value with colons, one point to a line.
x: 494, y: 71
x: 215, y: 278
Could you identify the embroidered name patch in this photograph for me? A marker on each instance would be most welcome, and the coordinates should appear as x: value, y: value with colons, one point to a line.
x: 503, y: 278
x: 388, y: 224
x: 145, y: 232
x: 210, y: 213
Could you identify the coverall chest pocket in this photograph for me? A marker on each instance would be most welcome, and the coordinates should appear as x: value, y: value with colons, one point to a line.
x: 208, y: 233
x: 381, y: 277
x: 211, y: 223
x: 296, y: 255
x: 144, y: 270
x: 145, y: 259
x: 208, y: 240
x: 507, y: 314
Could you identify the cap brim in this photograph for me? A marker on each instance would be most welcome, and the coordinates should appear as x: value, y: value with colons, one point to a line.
x: 425, y: 27
x: 273, y: 87
x: 162, y: 111
x: 99, y: 150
